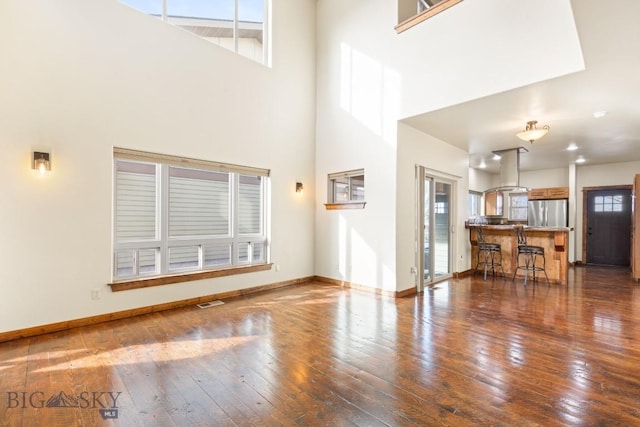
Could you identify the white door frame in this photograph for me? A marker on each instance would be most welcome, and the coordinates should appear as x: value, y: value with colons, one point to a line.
x: 422, y: 173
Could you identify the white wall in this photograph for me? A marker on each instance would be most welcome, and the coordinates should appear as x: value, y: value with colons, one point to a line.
x: 369, y: 77
x: 443, y: 161
x: 545, y: 178
x: 81, y: 77
x: 249, y: 47
x: 478, y: 48
x: 356, y: 128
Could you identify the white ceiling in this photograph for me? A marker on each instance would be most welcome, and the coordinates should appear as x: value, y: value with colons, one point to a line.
x: 610, y: 37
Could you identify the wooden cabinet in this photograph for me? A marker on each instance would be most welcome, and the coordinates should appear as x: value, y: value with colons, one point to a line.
x: 549, y: 193
x: 558, y: 193
x: 537, y: 194
x: 493, y: 203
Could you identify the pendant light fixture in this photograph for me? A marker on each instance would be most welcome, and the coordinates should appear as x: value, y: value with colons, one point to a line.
x: 532, y: 133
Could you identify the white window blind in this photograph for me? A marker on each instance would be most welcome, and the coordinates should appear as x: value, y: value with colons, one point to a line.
x: 198, y: 203
x: 250, y: 210
x: 135, y: 201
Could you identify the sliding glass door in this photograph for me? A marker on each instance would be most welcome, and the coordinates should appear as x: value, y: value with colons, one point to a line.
x: 434, y: 228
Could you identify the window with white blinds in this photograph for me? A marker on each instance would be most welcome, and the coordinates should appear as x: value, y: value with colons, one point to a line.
x: 198, y: 203
x: 176, y: 215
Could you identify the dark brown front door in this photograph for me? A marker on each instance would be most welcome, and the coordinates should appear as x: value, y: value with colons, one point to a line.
x: 608, y: 226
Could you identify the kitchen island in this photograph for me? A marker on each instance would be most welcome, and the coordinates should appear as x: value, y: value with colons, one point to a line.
x: 554, y: 240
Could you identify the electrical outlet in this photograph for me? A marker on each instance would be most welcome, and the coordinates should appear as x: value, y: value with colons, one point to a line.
x: 95, y: 293
x: 277, y: 267
x: 413, y: 270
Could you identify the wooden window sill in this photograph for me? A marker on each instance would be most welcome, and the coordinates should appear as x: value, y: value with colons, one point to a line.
x: 185, y: 277
x: 415, y: 20
x: 338, y: 206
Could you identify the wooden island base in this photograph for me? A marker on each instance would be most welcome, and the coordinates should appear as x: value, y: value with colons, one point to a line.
x: 553, y: 240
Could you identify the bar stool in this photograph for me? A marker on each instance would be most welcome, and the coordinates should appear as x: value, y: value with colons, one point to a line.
x: 489, y: 254
x: 531, y: 255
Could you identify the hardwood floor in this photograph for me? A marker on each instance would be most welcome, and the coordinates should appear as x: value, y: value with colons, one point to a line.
x: 465, y: 353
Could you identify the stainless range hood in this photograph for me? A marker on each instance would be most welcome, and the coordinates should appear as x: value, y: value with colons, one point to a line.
x: 509, y: 171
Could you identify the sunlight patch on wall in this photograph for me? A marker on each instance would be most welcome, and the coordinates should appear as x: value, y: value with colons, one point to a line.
x: 370, y: 92
x: 343, y: 250
x: 357, y: 255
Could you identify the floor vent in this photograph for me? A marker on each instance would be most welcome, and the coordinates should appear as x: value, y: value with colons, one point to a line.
x: 210, y: 304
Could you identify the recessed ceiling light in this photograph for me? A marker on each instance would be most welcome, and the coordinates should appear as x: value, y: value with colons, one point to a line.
x: 497, y: 157
x: 599, y: 114
x: 580, y: 160
x: 482, y: 165
x: 572, y: 147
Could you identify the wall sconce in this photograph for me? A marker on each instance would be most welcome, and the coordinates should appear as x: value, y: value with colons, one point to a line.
x: 299, y: 187
x: 41, y: 162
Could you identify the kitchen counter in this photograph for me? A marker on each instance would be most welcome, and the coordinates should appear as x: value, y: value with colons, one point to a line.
x: 554, y: 240
x: 526, y: 227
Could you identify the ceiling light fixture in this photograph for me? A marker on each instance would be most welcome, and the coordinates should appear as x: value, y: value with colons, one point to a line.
x: 572, y: 147
x: 532, y: 133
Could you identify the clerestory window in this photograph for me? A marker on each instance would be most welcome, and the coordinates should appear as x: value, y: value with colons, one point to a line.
x: 174, y: 215
x: 237, y: 25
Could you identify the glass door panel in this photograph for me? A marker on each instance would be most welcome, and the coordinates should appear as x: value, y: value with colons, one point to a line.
x: 442, y: 228
x: 426, y: 213
x: 434, y: 228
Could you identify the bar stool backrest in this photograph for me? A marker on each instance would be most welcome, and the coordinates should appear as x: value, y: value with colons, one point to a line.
x: 480, y: 234
x: 521, y: 236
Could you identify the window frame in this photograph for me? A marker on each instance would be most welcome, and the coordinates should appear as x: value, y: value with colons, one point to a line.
x: 350, y: 202
x: 609, y: 204
x: 194, y: 25
x: 163, y: 242
x: 513, y: 208
x: 474, y: 198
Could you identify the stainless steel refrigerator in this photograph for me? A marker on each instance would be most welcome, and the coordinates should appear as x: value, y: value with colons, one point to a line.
x: 548, y: 213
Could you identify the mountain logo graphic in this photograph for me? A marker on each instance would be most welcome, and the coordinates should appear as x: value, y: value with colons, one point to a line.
x: 62, y: 400
x: 106, y: 402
